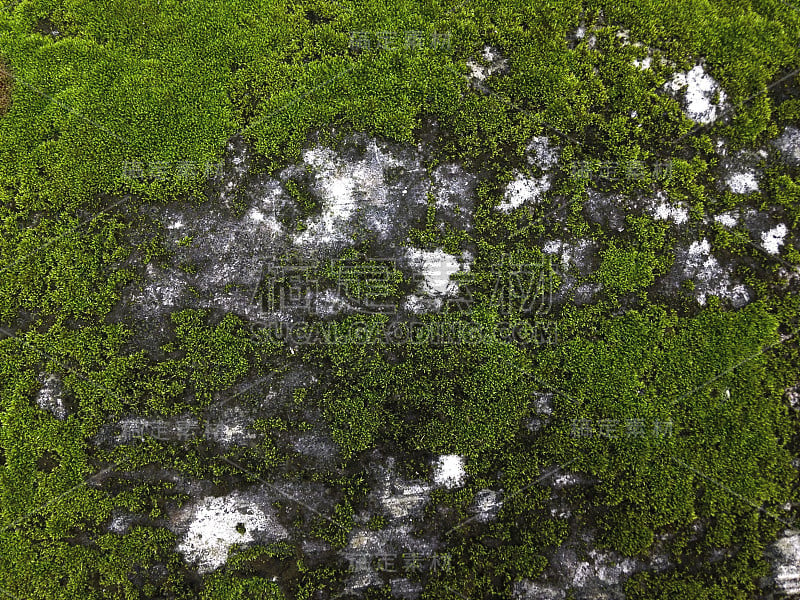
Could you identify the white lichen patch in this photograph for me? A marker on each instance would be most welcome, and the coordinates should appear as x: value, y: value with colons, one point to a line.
x: 486, y: 505
x: 709, y: 277
x: 650, y: 56
x: 789, y: 144
x: 786, y: 566
x: 421, y: 304
x: 259, y: 216
x: 728, y: 219
x: 542, y: 403
x: 448, y: 471
x: 338, y: 181
x: 703, y: 98
x: 477, y: 71
x: 539, y: 152
x: 436, y: 267
x: 663, y: 210
x: 699, y: 248
x: 793, y: 396
x: 566, y: 479
x: 121, y: 523
x: 49, y: 397
x: 530, y: 590
x: 700, y: 258
x: 773, y: 239
x: 742, y: 182
x: 378, y: 194
x: 576, y: 253
x: 215, y: 524
x: 602, y: 567
x: 491, y: 62
x: 560, y: 513
x: 403, y: 498
x: 524, y: 189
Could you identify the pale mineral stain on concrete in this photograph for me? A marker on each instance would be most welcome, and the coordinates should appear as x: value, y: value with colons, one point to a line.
x: 448, y: 471
x: 524, y: 190
x: 50, y: 398
x: 773, y: 239
x: 786, y: 564
x: 214, y: 524
x: 699, y: 90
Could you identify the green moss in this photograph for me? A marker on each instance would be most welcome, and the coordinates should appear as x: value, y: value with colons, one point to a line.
x: 132, y: 105
x: 625, y: 270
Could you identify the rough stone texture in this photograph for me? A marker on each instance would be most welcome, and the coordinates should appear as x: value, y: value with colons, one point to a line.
x: 696, y: 262
x: 574, y: 262
x: 50, y: 397
x: 373, y: 193
x: 402, y: 502
x: 740, y: 172
x: 607, y: 210
x: 786, y: 564
x: 789, y: 145
x: 490, y: 62
x: 367, y: 192
x: 542, y: 153
x: 662, y: 209
x: 486, y: 504
x: 212, y: 525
